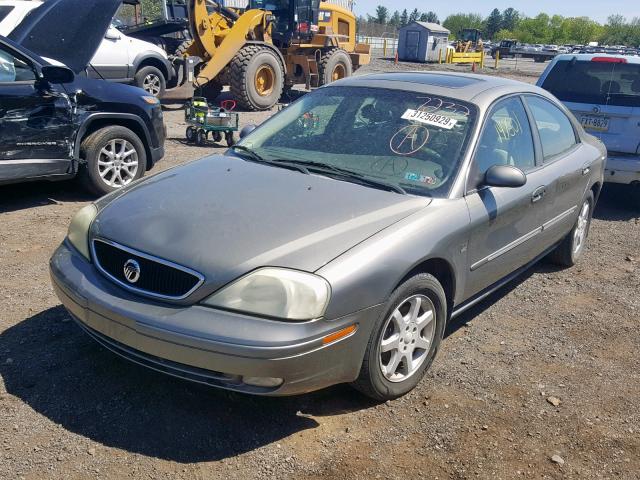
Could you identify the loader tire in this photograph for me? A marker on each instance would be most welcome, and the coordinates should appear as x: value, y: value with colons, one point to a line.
x: 335, y: 64
x: 256, y: 78
x: 181, y: 51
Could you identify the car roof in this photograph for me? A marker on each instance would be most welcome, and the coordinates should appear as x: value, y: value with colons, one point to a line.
x: 470, y: 87
x: 587, y: 57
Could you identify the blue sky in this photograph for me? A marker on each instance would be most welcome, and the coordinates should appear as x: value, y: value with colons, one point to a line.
x: 597, y: 10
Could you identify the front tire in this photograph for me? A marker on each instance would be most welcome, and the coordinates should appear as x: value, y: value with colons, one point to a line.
x: 256, y: 78
x: 115, y: 156
x: 404, y: 340
x: 335, y: 65
x: 151, y: 80
x: 572, y: 247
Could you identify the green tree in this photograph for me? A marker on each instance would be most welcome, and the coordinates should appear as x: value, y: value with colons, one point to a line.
x: 414, y: 15
x: 582, y: 30
x: 459, y: 21
x: 382, y: 14
x: 404, y: 18
x: 510, y: 19
x: 504, y: 34
x: 430, y: 17
x: 395, y: 19
x: 493, y: 23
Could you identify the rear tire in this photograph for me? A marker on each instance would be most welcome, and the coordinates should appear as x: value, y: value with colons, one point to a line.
x: 572, y: 247
x: 393, y: 382
x: 151, y: 80
x: 334, y: 65
x: 105, y: 172
x: 256, y: 78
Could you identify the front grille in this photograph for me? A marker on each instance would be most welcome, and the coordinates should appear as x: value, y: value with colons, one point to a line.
x: 157, y: 278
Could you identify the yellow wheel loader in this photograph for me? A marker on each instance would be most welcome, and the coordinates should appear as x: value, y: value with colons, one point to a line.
x: 271, y: 46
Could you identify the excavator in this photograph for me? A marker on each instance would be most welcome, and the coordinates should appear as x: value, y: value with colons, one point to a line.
x: 271, y: 46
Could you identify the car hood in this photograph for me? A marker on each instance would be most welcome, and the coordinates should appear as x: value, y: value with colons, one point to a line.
x: 223, y: 217
x: 68, y: 30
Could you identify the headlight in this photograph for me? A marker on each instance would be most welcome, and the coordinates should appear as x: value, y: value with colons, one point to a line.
x: 151, y: 100
x: 276, y: 292
x: 78, y: 233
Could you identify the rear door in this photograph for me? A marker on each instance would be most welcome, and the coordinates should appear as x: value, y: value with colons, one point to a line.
x: 604, y: 95
x: 36, y: 123
x: 566, y: 164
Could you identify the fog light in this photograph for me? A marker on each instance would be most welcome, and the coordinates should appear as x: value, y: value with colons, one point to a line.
x: 263, y: 381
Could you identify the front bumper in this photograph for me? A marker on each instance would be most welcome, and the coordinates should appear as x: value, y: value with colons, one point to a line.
x: 205, y: 345
x: 622, y: 169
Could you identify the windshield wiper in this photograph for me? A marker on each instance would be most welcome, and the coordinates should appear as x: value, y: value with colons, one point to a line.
x: 345, y: 173
x: 259, y: 158
x: 253, y: 154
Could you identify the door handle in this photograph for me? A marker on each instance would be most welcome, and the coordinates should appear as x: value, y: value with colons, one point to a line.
x: 586, y: 168
x: 537, y: 195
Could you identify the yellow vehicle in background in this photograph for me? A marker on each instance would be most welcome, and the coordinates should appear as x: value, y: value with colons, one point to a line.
x: 271, y: 46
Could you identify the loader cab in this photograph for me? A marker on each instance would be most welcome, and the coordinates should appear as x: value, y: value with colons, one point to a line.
x: 296, y: 21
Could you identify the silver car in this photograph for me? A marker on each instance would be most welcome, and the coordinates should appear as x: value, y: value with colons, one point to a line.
x: 334, y: 242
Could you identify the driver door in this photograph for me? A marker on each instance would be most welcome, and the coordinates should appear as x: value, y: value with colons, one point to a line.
x: 505, y: 222
x: 35, y: 121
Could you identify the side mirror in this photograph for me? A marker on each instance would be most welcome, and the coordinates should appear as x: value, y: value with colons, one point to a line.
x: 55, y: 74
x: 247, y: 129
x: 112, y: 34
x: 505, y: 176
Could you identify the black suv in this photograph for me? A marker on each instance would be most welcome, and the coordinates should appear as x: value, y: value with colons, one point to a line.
x: 56, y: 123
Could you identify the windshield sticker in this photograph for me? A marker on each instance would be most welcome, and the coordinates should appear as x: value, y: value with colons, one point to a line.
x: 414, y: 177
x: 434, y: 119
x: 434, y: 104
x: 408, y: 140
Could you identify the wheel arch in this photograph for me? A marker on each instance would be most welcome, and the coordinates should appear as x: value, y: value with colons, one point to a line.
x: 98, y: 121
x: 152, y: 61
x: 442, y: 270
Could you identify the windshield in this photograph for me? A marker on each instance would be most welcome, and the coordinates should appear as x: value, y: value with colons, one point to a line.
x: 410, y: 140
x: 602, y: 83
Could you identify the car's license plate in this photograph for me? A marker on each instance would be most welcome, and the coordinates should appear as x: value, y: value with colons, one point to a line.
x: 594, y: 122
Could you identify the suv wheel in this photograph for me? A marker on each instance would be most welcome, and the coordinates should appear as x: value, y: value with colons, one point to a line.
x: 151, y: 80
x: 115, y: 157
x: 404, y: 340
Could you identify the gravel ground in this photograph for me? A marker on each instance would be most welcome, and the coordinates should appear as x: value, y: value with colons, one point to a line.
x: 539, y: 381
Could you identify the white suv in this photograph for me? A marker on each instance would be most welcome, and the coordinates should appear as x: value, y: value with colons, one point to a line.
x: 119, y: 58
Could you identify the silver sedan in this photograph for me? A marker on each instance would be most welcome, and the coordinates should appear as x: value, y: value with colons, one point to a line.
x: 334, y: 242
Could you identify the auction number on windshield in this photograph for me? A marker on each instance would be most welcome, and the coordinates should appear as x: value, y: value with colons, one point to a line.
x: 428, y: 118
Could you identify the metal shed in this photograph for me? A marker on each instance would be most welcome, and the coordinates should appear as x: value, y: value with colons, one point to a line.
x: 422, y: 42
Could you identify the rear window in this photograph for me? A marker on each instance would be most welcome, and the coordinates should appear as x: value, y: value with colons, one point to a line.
x: 4, y: 11
x: 602, y: 83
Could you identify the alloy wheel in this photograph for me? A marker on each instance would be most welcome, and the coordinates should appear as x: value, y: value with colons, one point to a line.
x: 118, y: 163
x: 407, y: 337
x: 152, y: 84
x: 580, y: 233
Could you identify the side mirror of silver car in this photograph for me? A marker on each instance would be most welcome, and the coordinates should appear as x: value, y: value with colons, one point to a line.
x: 505, y: 176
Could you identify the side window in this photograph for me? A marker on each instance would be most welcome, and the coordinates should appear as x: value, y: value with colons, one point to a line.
x: 14, y: 69
x: 506, y: 140
x: 555, y: 129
